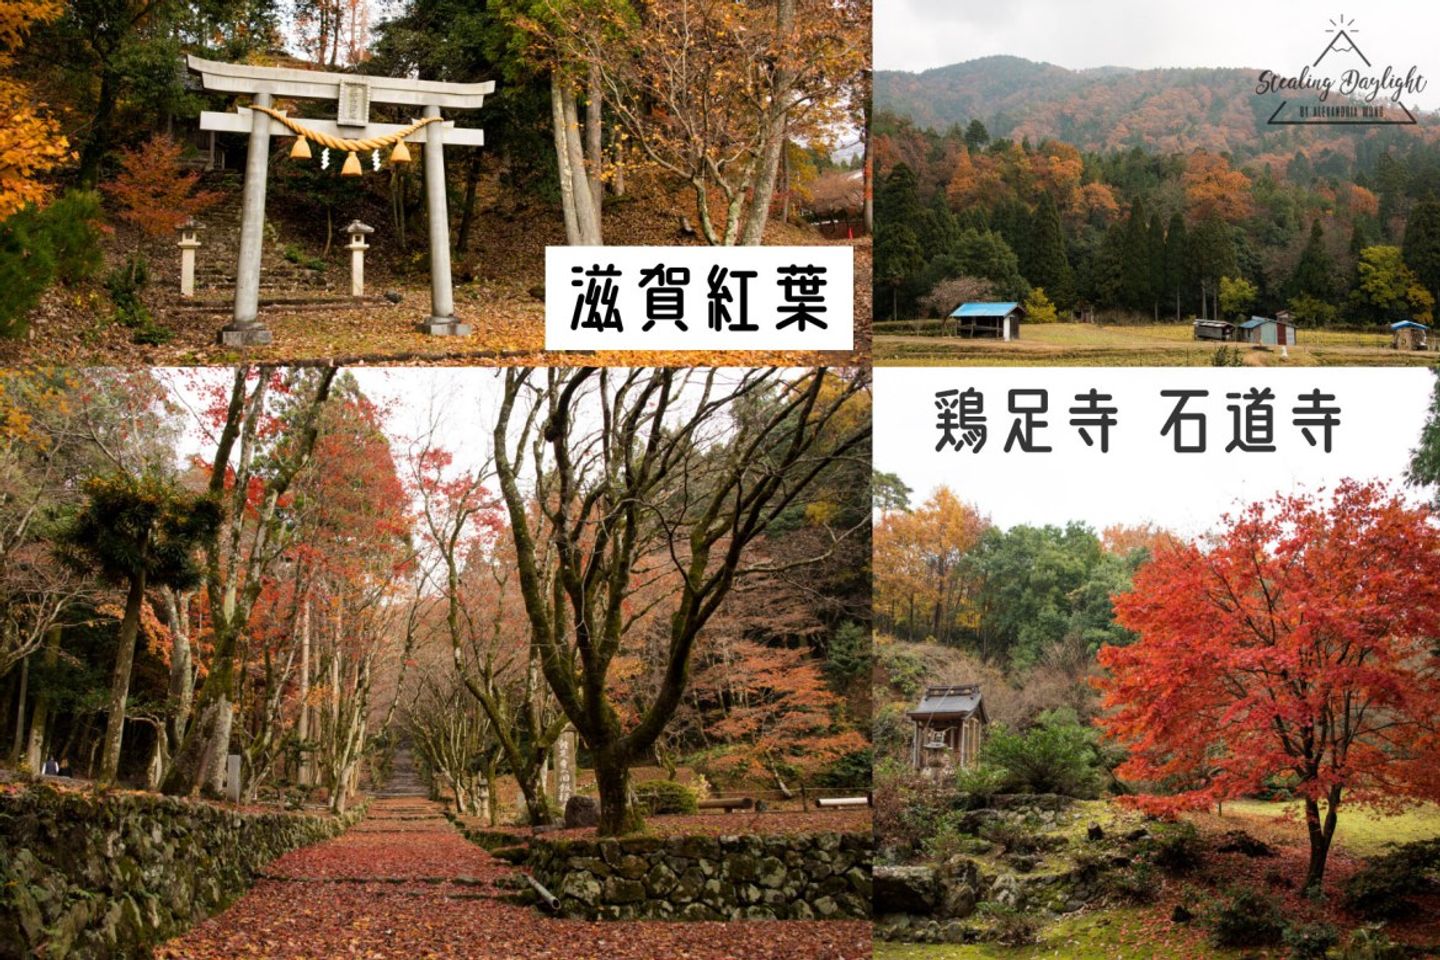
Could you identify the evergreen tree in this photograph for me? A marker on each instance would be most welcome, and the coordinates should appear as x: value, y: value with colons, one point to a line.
x: 898, y: 200
x: 976, y: 136
x: 1177, y: 262
x: 1107, y: 277
x: 1421, y: 246
x: 1135, y: 273
x: 1315, y: 273
x: 1047, y: 266
x: 899, y: 260
x: 1155, y: 246
x: 1212, y: 256
x: 937, y: 230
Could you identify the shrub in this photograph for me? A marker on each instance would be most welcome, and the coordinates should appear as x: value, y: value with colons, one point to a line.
x: 1012, y: 836
x: 71, y: 226
x: 908, y: 805
x: 1176, y: 847
x: 124, y: 285
x: 1379, y: 891
x: 302, y: 259
x: 659, y: 797
x: 890, y: 730
x: 848, y: 655
x: 1370, y: 942
x: 850, y: 771
x: 904, y: 671
x: 1056, y: 755
x: 980, y: 783
x: 951, y: 838
x: 1247, y: 919
x: 1011, y: 927
x: 1310, y: 941
x: 1136, y: 883
x: 27, y: 265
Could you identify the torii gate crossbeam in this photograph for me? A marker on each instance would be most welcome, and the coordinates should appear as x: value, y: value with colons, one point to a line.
x: 353, y: 94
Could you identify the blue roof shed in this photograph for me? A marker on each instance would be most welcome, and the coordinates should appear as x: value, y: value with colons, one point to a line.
x: 998, y: 320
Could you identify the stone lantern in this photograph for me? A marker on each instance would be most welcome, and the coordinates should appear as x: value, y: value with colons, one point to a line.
x: 358, y: 232
x: 188, y: 245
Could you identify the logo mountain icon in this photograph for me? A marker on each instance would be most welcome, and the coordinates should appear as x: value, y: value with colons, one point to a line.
x: 1341, y: 43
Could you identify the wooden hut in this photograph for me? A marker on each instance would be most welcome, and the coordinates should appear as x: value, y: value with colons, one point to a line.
x: 993, y: 321
x: 949, y: 726
x: 1269, y: 331
x: 1214, y: 330
x: 1409, y: 335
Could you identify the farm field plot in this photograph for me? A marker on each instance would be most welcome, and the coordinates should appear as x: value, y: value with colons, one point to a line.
x: 1164, y: 344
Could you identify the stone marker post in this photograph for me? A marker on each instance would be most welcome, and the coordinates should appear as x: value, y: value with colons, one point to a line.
x: 358, y: 232
x: 562, y: 779
x: 232, y: 778
x: 188, y: 245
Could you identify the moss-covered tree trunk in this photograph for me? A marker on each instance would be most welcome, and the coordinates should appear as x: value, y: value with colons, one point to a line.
x: 120, y: 680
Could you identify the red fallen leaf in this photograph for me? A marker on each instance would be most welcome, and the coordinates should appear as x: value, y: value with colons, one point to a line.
x: 416, y: 889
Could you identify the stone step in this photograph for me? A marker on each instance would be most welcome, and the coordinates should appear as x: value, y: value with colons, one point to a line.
x: 290, y: 304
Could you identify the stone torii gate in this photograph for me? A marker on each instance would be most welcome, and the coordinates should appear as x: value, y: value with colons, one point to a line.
x: 353, y: 95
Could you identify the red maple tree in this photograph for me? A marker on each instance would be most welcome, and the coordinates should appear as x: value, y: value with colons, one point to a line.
x: 1295, y: 646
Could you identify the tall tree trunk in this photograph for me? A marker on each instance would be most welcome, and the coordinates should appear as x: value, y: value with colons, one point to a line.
x: 120, y: 680
x: 785, y: 191
x: 1322, y: 833
x: 467, y: 213
x: 594, y: 139
x: 302, y: 723
x: 582, y: 225
x: 40, y: 719
x: 182, y: 672
x: 17, y: 743
x: 774, y: 143
x: 868, y: 182
x: 617, y: 179
x: 612, y: 777
x: 98, y: 143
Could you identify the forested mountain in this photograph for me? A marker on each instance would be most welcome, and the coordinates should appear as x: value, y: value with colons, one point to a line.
x: 1157, y: 194
x: 1111, y: 108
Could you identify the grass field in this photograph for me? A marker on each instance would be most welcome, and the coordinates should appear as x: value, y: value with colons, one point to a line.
x: 1117, y: 934
x: 1147, y: 345
x: 1359, y: 831
x: 1133, y: 933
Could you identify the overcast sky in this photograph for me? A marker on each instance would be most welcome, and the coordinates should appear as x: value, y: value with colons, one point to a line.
x: 1141, y: 479
x: 1282, y: 35
x: 458, y: 403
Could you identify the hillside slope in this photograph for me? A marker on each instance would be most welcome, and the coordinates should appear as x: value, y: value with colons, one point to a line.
x: 1163, y: 110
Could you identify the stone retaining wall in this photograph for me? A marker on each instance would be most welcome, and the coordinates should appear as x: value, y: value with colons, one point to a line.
x: 822, y: 876
x: 85, y: 877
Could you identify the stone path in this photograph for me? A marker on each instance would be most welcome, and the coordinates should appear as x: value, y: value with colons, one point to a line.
x: 403, y: 883
x: 404, y: 777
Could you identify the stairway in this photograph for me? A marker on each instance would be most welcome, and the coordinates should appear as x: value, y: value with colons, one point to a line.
x: 404, y: 777
x: 282, y: 282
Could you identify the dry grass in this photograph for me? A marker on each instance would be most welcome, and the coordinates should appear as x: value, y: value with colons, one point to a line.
x: 1155, y: 345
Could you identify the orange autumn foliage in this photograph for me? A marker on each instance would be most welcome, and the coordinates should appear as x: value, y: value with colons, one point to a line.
x: 153, y: 190
x: 33, y: 144
x: 1213, y: 189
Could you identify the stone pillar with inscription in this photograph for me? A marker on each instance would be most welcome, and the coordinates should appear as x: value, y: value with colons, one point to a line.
x: 562, y: 767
